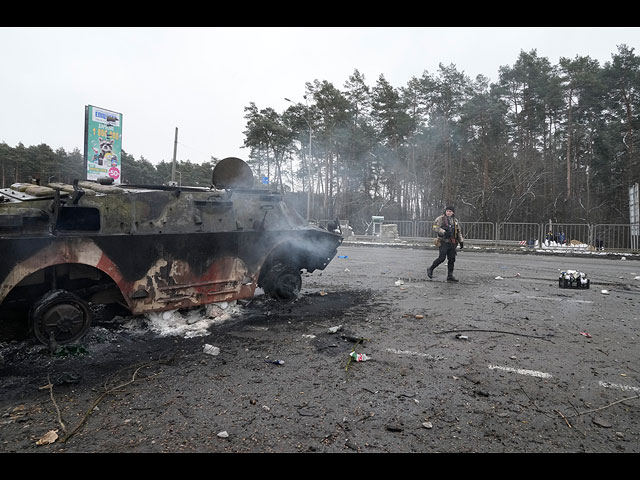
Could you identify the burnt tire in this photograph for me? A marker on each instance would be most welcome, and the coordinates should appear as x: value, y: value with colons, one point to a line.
x: 60, y: 317
x: 282, y: 282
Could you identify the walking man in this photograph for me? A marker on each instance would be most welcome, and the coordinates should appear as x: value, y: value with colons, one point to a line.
x: 449, y: 236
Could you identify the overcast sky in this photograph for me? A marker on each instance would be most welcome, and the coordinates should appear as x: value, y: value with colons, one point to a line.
x: 201, y: 79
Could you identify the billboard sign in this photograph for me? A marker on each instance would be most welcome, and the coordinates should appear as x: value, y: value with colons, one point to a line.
x: 102, y: 143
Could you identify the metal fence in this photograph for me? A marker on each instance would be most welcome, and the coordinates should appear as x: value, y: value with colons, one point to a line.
x: 524, y: 234
x: 609, y: 237
x: 616, y: 236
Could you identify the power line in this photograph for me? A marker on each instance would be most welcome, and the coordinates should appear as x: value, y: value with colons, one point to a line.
x: 211, y: 157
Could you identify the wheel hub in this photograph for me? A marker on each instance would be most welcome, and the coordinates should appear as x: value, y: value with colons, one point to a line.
x: 66, y: 319
x: 60, y: 317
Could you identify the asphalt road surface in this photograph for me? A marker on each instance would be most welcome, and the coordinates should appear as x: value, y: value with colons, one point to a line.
x: 503, y: 361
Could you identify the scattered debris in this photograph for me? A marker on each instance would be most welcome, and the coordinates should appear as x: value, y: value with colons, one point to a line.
x: 335, y: 329
x: 360, y: 357
x: 70, y: 350
x: 604, y: 292
x: 211, y: 350
x: 188, y: 323
x: 355, y: 356
x: 399, y: 283
x: 428, y: 425
x: 20, y: 411
x: 275, y: 362
x: 573, y: 279
x: 493, y: 331
x: 499, y: 278
x: 49, y: 437
x: 588, y: 335
x: 521, y: 371
x: 223, y: 434
x: 353, y: 338
x: 415, y: 354
x: 601, y: 422
x: 462, y: 337
x: 624, y: 388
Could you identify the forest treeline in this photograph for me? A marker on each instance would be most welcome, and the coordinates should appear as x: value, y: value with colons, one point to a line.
x: 24, y: 164
x: 544, y: 141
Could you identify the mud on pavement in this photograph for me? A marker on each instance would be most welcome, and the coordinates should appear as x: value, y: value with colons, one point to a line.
x: 503, y: 361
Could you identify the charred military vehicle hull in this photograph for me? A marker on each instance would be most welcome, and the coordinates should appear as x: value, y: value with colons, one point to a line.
x: 65, y: 248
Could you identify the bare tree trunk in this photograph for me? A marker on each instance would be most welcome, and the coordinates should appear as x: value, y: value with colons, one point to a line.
x: 569, y: 138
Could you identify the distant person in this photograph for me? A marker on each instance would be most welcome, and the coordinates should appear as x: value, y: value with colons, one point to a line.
x: 599, y: 244
x: 561, y: 238
x: 449, y: 236
x: 549, y: 237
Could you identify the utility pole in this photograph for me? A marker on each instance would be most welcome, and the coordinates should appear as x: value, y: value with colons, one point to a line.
x: 173, y: 168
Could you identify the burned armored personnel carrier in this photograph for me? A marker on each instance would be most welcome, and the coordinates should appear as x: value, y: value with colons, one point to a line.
x: 65, y: 248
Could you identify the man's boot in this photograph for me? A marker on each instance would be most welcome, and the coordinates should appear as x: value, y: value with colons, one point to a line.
x: 450, y: 277
x: 430, y: 272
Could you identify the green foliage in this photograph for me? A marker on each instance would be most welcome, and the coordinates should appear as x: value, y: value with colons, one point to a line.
x: 544, y: 141
x: 24, y: 164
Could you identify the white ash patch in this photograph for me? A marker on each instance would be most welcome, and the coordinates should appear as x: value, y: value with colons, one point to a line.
x: 185, y: 323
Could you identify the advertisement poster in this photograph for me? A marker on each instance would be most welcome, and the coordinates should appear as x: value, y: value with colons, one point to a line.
x: 103, y: 143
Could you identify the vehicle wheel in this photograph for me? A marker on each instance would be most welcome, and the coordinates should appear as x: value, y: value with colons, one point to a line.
x: 60, y: 317
x: 282, y: 282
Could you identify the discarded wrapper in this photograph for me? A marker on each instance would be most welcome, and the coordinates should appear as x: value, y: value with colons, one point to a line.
x: 211, y: 350
x: 359, y: 357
